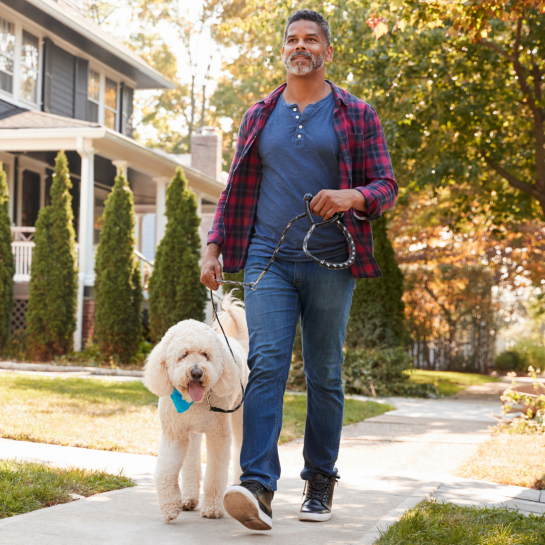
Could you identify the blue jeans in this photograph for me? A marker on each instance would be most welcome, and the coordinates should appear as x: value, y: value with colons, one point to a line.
x: 322, y: 298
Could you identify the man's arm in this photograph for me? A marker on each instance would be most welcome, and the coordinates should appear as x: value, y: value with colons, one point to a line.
x: 369, y: 201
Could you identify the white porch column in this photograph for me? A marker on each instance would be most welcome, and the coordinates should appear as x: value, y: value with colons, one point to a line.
x: 138, y: 230
x: 160, y: 207
x: 122, y: 167
x: 85, y: 238
x: 198, y: 196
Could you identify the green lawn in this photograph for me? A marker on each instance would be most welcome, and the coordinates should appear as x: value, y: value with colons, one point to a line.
x: 112, y: 415
x: 434, y: 523
x: 27, y: 486
x: 448, y: 383
x: 295, y: 412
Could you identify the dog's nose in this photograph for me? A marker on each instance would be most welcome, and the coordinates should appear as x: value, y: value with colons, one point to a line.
x: 196, y: 374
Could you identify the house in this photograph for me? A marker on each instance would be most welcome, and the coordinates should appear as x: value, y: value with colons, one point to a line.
x: 66, y: 84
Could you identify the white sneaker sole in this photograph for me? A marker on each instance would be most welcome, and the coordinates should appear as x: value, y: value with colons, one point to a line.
x: 314, y: 517
x: 243, y: 506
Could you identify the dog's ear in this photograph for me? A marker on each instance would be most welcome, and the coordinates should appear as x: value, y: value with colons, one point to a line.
x: 229, y: 381
x: 155, y: 372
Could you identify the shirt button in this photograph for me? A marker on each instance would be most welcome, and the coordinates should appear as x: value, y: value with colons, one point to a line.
x: 298, y: 136
x: 300, y: 126
x: 295, y: 109
x: 296, y: 117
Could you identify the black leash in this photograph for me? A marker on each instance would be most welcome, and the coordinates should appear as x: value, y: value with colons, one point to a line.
x: 336, y: 219
x: 217, y: 409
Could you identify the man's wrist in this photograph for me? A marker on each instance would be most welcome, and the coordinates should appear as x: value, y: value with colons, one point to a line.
x: 213, y: 249
x: 358, y: 201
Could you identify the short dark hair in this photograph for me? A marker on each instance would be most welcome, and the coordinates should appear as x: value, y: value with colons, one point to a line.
x: 309, y: 15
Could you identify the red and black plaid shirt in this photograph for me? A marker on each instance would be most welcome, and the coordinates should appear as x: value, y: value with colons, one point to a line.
x: 365, y: 165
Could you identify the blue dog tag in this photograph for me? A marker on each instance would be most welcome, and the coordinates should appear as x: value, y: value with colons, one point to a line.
x: 179, y: 402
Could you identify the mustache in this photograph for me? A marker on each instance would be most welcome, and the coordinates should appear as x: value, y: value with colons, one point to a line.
x: 301, y: 54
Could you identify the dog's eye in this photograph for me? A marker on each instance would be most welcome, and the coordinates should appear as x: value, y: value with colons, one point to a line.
x: 185, y: 355
x: 205, y: 354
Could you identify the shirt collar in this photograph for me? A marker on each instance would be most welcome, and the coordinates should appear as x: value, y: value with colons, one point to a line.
x: 273, y: 97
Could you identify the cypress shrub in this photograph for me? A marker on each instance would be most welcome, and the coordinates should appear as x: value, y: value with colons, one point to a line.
x: 376, y: 316
x: 7, y: 264
x: 51, y: 315
x: 238, y: 290
x: 118, y: 292
x: 175, y: 290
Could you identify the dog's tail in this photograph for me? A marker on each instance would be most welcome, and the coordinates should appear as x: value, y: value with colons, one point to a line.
x: 233, y: 319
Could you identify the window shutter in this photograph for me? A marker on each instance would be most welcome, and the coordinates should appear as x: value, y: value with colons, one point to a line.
x: 81, y: 76
x: 127, y: 109
x: 48, y: 75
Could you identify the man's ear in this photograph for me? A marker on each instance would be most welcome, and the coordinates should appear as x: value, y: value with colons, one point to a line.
x: 155, y: 372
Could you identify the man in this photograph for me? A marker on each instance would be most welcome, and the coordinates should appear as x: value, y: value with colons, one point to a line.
x: 308, y: 136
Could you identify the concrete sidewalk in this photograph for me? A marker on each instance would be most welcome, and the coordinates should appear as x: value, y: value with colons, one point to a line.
x: 385, y: 462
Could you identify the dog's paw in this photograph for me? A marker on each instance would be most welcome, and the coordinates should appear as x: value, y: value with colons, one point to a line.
x: 188, y: 504
x: 212, y: 511
x: 170, y: 511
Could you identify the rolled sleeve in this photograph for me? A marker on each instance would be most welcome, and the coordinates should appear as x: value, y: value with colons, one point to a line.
x: 380, y: 190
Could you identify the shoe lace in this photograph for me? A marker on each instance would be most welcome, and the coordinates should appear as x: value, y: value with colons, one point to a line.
x: 319, y: 491
x: 252, y: 485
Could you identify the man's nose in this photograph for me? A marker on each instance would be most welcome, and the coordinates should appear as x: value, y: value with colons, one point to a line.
x: 196, y: 374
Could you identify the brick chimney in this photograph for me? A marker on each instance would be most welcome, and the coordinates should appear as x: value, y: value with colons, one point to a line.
x: 206, y: 151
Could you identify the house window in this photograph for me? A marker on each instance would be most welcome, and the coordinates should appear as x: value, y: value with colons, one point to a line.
x: 93, y: 95
x: 110, y: 104
x: 31, y: 198
x: 29, y: 67
x: 7, y: 54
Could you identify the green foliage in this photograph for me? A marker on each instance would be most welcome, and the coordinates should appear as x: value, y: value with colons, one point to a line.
x: 525, y: 353
x: 377, y: 372
x: 7, y: 264
x: 238, y: 290
x: 118, y: 292
x: 51, y: 314
x: 27, y: 486
x: 175, y: 290
x: 376, y: 316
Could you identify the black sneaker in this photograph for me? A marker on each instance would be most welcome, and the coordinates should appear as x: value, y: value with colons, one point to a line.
x: 250, y: 503
x: 318, y: 498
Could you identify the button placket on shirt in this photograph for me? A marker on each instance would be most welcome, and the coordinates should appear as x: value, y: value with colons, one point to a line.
x: 299, y: 134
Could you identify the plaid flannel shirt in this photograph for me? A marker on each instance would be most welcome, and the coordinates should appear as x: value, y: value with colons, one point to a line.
x: 364, y: 165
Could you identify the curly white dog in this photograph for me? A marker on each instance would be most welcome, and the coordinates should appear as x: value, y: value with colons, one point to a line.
x: 195, y: 359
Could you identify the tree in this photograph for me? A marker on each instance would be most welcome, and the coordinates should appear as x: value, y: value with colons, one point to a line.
x: 51, y: 314
x: 7, y: 264
x: 118, y: 291
x: 175, y: 290
x: 376, y: 315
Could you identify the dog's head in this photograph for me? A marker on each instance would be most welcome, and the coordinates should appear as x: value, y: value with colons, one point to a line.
x: 192, y: 359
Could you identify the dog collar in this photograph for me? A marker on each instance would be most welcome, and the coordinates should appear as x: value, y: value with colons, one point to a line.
x: 179, y: 402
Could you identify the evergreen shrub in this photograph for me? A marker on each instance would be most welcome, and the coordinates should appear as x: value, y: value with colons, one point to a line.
x: 175, y: 289
x: 377, y: 312
x: 7, y: 264
x: 118, y: 290
x: 380, y: 372
x: 51, y: 314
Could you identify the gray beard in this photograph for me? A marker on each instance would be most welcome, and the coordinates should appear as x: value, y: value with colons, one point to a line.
x: 315, y: 63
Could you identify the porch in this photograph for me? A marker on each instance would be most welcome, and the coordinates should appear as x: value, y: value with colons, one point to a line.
x: 94, y: 155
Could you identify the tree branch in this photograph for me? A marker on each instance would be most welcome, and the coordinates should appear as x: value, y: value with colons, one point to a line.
x: 498, y: 49
x: 514, y: 182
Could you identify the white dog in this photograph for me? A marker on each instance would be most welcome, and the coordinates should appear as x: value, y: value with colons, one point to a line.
x: 195, y: 359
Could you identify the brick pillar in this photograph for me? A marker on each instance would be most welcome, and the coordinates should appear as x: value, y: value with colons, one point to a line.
x: 88, y: 320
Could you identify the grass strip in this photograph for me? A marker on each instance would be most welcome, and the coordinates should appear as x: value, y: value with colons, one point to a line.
x: 508, y: 459
x: 27, y: 486
x: 447, y: 382
x: 295, y: 413
x: 112, y: 415
x: 435, y: 523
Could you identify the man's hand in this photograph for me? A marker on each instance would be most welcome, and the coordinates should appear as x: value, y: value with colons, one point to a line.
x: 328, y: 202
x: 211, y: 267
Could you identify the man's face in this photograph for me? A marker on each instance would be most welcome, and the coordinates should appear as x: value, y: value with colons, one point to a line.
x: 305, y: 48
